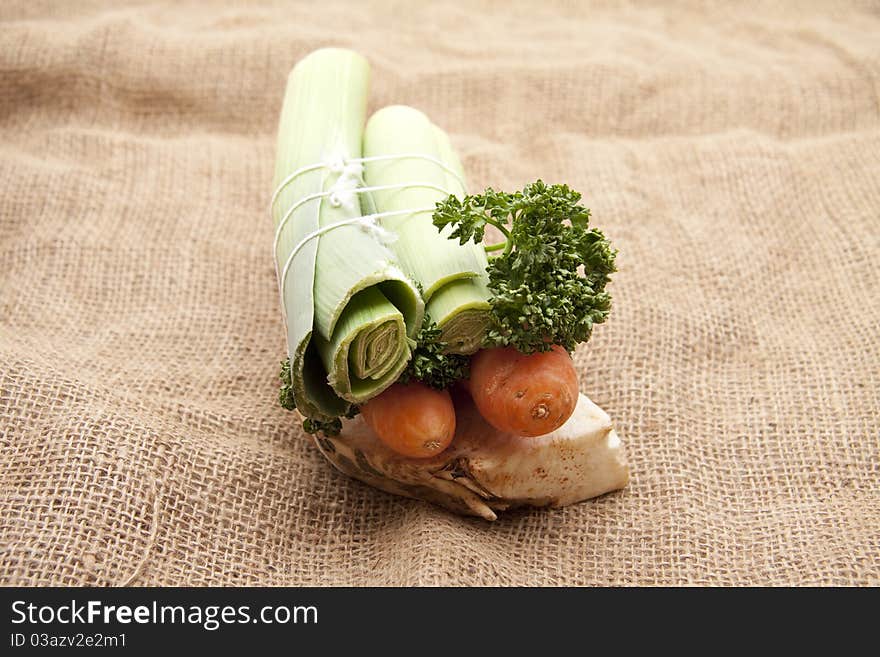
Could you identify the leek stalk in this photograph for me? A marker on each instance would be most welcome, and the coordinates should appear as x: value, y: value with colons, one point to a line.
x: 351, y: 311
x: 452, y: 275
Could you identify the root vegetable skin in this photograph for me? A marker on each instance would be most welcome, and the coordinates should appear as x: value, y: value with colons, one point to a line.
x: 526, y: 395
x: 412, y: 419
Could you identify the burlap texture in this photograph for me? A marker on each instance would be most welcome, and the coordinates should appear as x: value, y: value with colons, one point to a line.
x: 733, y: 155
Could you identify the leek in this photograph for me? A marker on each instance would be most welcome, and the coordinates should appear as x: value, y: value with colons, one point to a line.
x: 351, y: 311
x: 452, y: 275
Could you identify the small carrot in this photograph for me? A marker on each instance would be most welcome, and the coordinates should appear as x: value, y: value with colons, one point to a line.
x: 526, y: 395
x: 412, y: 419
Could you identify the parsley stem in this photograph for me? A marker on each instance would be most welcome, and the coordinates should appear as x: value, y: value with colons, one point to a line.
x: 507, y: 244
x: 495, y: 247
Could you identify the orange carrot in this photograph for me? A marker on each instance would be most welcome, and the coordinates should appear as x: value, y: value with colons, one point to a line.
x: 526, y: 395
x: 412, y: 419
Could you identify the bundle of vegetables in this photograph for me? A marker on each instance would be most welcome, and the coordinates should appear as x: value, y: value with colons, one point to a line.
x: 459, y: 363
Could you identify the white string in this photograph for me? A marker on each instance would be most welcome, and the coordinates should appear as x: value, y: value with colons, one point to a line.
x: 296, y: 174
x: 279, y: 279
x: 337, y: 166
x: 367, y: 222
x: 415, y: 156
x: 331, y: 193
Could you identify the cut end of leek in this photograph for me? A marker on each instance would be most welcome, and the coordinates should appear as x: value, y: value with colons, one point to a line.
x: 465, y: 331
x: 461, y: 311
x: 369, y: 348
x: 373, y: 352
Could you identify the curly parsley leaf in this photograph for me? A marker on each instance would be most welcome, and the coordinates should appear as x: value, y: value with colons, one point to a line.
x: 549, y: 281
x: 430, y: 365
x: 328, y: 427
x: 285, y: 394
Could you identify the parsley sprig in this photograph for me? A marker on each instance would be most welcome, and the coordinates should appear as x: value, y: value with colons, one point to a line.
x: 430, y: 365
x: 285, y: 394
x: 549, y: 280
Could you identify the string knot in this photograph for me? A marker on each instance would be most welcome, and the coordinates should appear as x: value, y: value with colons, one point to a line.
x: 336, y: 165
x: 374, y: 229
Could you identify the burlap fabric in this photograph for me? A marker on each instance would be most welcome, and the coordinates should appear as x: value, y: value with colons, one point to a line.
x: 733, y: 155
